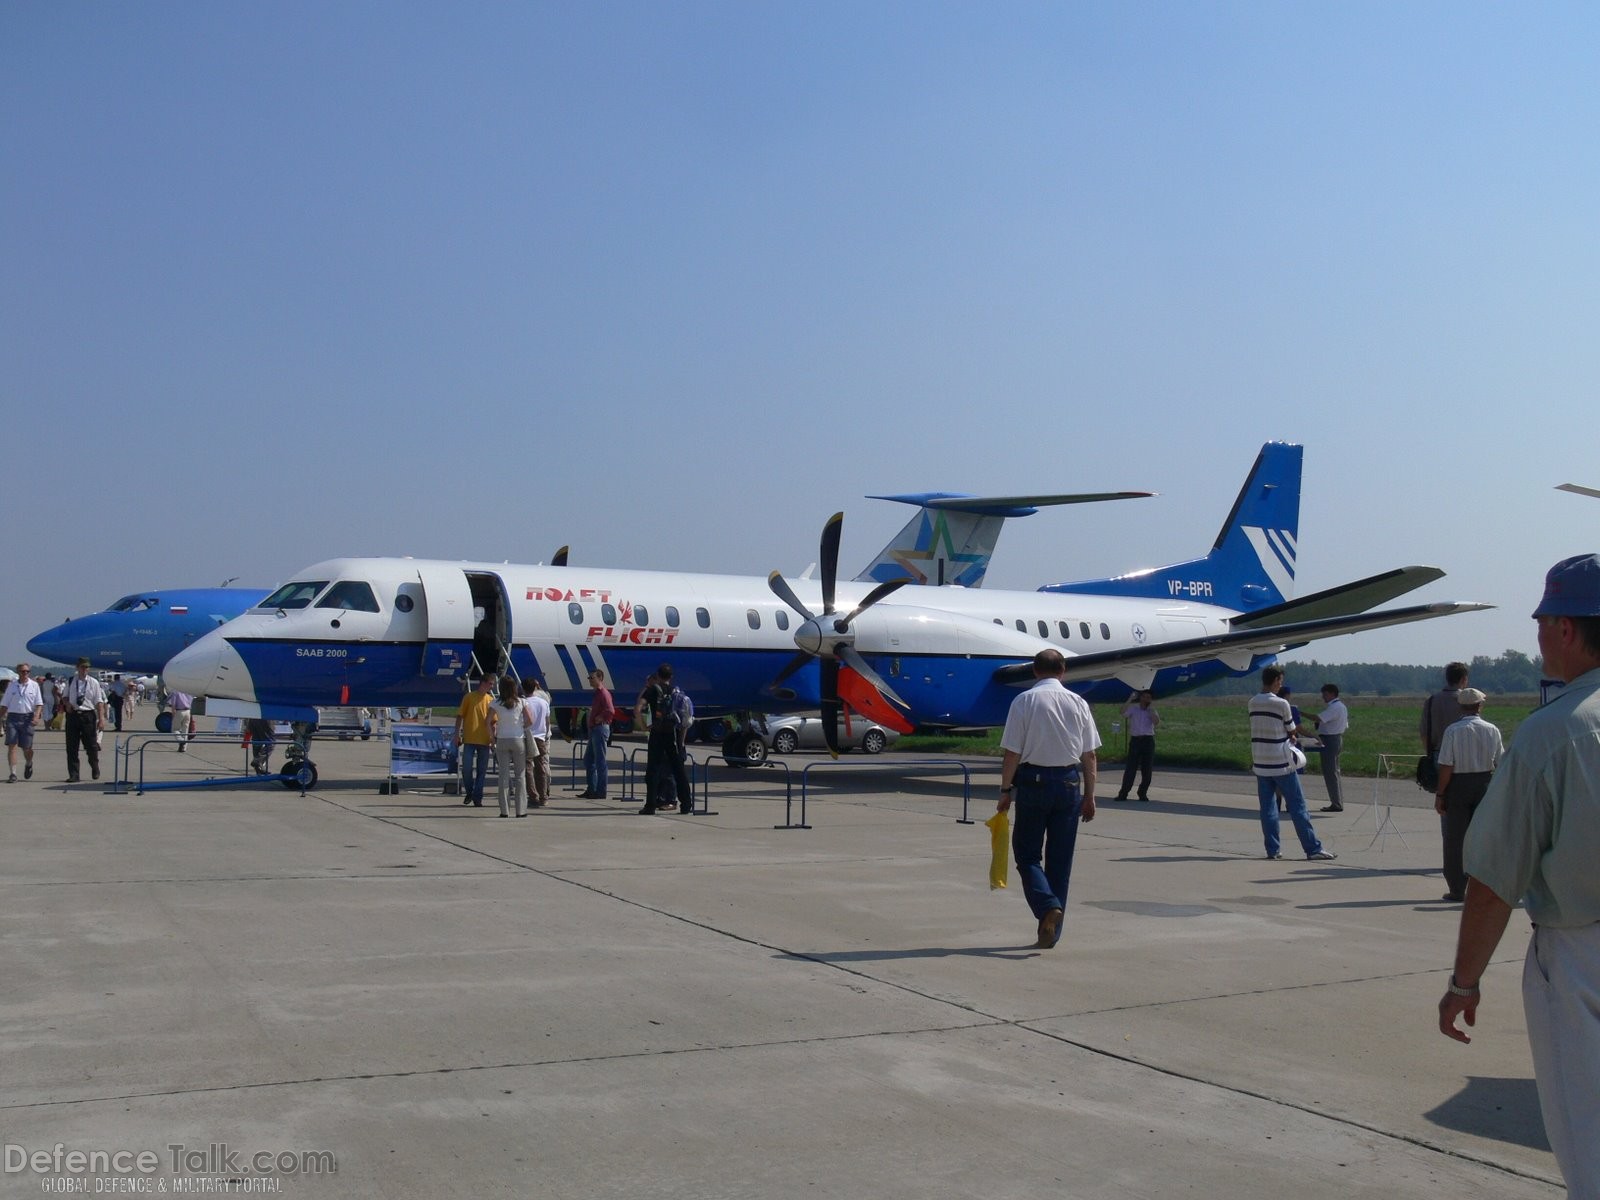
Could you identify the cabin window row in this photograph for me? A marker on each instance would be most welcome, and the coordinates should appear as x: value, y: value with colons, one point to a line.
x: 1084, y: 630
x: 639, y: 615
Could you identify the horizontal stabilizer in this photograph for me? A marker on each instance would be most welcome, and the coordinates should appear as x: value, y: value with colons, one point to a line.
x: 1110, y: 664
x: 1005, y: 506
x: 1578, y: 489
x: 1347, y: 598
x: 951, y: 538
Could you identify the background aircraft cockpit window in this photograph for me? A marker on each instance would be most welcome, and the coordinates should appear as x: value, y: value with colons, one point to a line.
x: 294, y: 595
x: 352, y: 594
x: 703, y: 616
x: 641, y: 615
x: 133, y: 604
x: 753, y: 617
x: 608, y: 614
x: 672, y: 617
x: 575, y: 613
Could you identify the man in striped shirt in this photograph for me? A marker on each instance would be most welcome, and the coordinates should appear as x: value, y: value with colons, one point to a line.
x: 1271, y: 724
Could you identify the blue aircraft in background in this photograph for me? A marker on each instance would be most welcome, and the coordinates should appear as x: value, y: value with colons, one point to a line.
x: 140, y: 632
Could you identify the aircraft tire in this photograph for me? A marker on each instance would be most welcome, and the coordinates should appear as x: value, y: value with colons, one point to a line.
x: 305, y: 775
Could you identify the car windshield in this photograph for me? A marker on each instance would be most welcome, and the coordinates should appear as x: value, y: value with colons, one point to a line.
x: 294, y: 595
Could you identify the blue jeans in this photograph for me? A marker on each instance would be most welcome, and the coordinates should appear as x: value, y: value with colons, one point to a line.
x: 1047, y: 812
x: 594, y: 759
x: 1267, y: 787
x: 474, y: 769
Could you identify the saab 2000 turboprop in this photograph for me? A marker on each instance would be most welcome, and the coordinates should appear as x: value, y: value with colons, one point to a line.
x: 396, y: 631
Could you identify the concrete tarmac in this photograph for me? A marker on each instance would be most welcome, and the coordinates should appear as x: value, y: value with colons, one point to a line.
x: 591, y: 1003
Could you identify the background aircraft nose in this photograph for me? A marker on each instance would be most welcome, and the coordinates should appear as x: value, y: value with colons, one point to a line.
x: 49, y: 644
x: 93, y: 637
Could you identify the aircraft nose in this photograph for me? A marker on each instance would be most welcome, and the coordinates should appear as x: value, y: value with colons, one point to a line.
x: 48, y: 644
x: 210, y: 667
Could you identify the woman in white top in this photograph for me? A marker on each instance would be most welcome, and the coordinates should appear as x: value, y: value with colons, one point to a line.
x: 508, y: 717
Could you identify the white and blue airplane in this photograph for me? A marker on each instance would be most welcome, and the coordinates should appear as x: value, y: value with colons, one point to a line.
x: 951, y: 539
x: 141, y: 631
x: 399, y: 631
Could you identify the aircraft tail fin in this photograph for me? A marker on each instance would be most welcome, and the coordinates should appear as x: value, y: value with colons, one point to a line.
x: 1251, y: 565
x: 952, y: 537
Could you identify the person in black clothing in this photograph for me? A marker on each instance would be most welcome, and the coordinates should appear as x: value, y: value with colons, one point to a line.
x: 666, y: 774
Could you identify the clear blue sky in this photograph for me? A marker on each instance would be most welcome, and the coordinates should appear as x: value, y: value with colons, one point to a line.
x: 673, y: 282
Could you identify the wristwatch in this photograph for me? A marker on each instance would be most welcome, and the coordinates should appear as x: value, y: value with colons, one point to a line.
x: 1457, y: 990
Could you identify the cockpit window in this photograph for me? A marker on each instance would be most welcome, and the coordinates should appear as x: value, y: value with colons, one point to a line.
x: 133, y: 604
x: 351, y: 594
x: 294, y: 595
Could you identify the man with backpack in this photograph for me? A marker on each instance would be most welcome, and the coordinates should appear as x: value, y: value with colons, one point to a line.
x: 670, y: 713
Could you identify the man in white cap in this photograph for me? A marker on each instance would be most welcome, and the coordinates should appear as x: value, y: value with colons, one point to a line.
x: 1536, y: 838
x: 1468, y: 754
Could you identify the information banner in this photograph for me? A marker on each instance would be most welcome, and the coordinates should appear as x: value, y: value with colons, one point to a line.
x: 422, y: 750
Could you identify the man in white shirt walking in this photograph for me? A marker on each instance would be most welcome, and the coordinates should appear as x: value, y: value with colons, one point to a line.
x: 86, y: 717
x: 1049, y: 762
x: 22, y: 709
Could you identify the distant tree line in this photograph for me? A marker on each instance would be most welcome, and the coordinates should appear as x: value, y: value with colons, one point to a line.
x: 1511, y: 672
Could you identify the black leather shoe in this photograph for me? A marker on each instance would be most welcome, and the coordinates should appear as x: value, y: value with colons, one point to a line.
x: 1333, y: 808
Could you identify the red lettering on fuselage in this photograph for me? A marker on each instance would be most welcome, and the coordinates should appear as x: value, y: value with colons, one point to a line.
x: 562, y: 597
x: 639, y: 635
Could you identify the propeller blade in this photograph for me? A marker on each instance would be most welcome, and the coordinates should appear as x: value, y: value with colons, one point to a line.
x: 861, y: 667
x: 781, y: 589
x: 876, y: 594
x: 789, y: 668
x: 830, y: 559
x: 830, y: 704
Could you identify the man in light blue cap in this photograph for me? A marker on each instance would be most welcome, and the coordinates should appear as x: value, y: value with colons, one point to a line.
x: 1536, y: 838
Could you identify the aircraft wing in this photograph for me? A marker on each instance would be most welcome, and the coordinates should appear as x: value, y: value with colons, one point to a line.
x: 1578, y: 489
x: 1344, y: 600
x: 1236, y: 648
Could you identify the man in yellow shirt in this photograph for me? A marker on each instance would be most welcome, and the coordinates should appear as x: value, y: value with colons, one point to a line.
x: 475, y: 738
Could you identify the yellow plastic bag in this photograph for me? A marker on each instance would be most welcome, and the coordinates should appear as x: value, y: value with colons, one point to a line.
x: 999, y: 849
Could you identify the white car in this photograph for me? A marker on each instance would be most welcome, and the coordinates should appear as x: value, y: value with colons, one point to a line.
x: 803, y: 731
